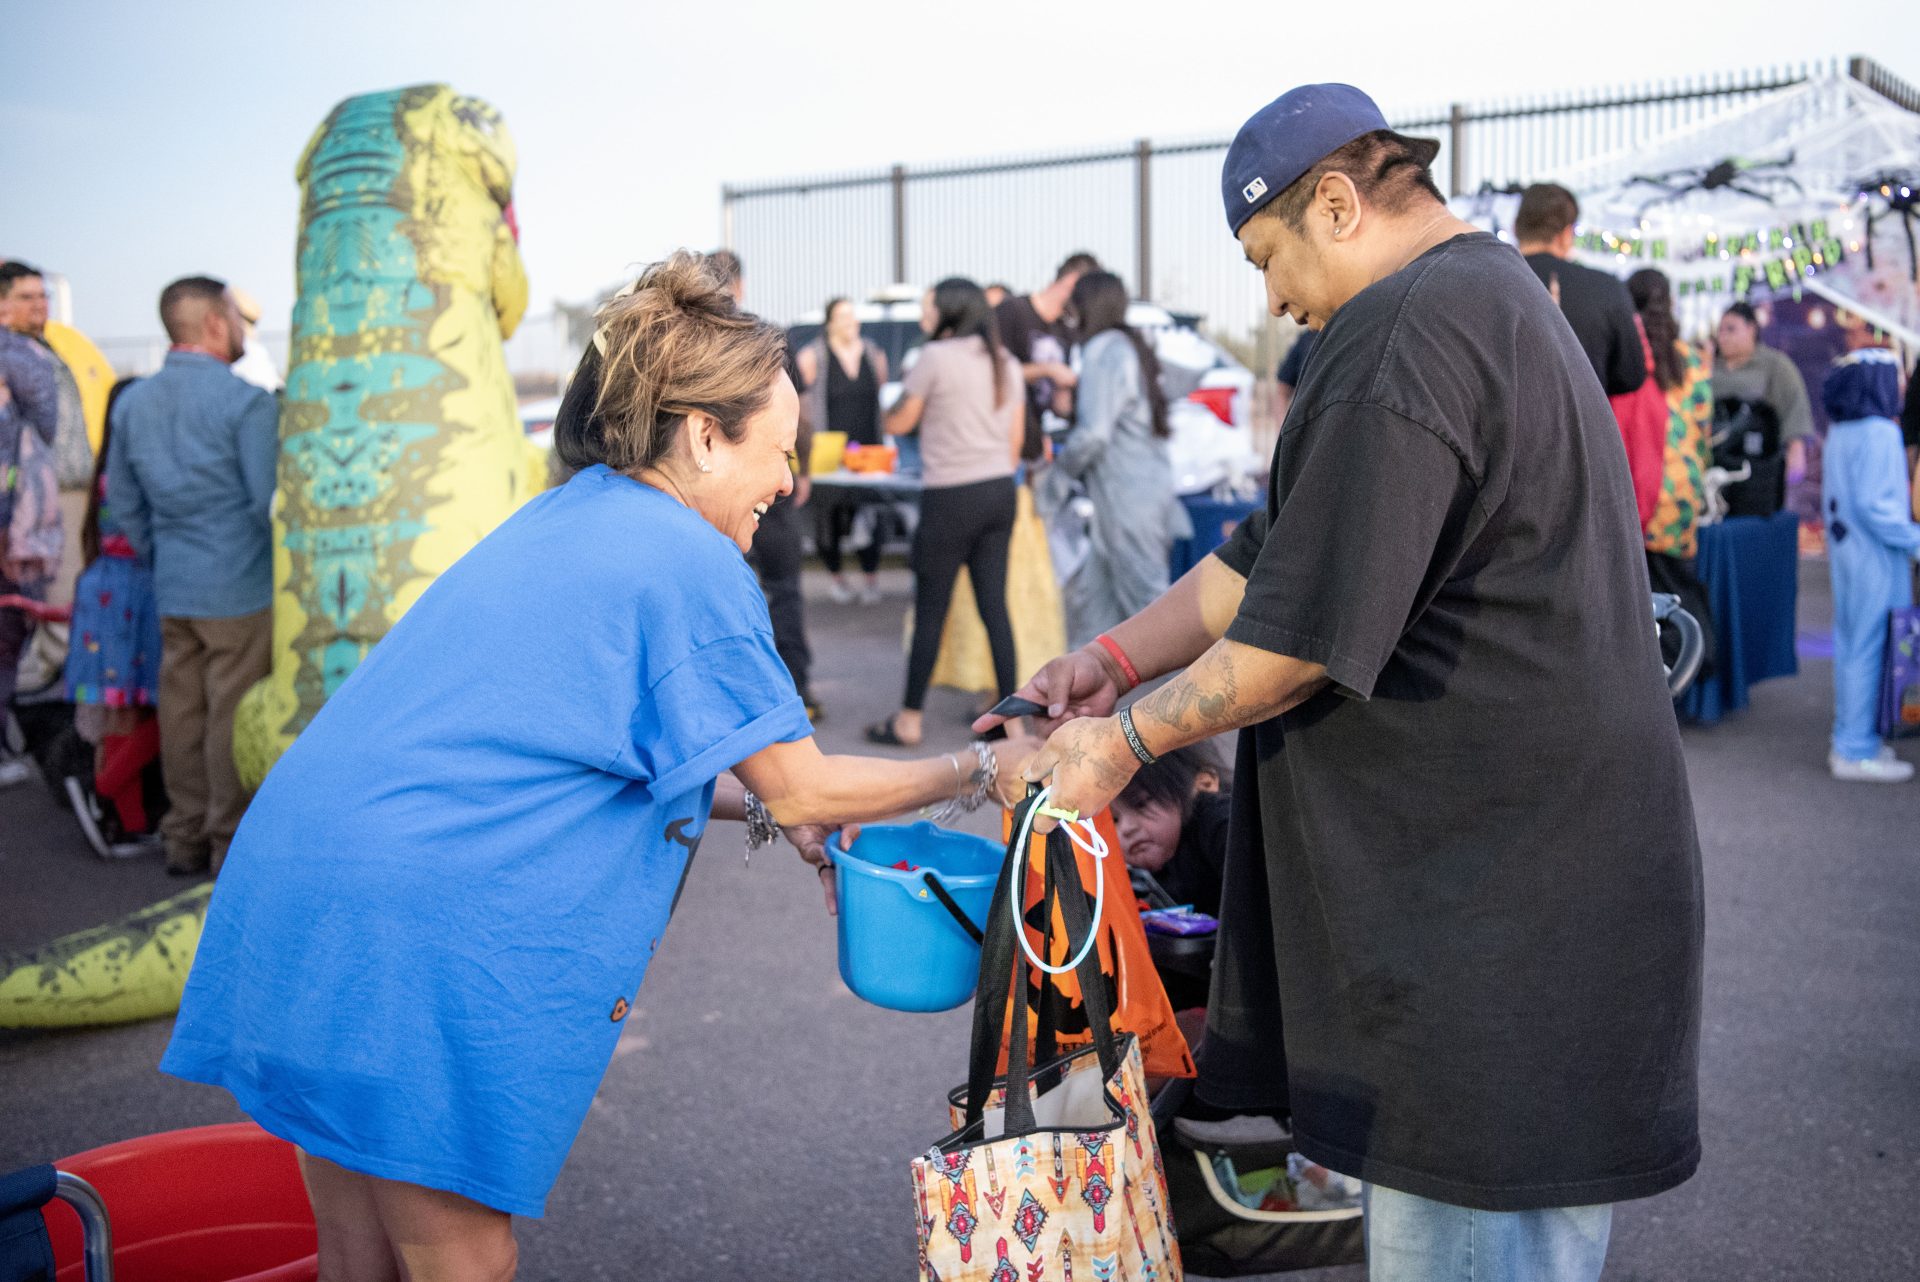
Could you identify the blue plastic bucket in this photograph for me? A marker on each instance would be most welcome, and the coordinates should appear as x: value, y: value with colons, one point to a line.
x: 900, y: 946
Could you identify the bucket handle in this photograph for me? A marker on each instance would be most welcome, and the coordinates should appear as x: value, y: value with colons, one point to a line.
x: 948, y: 902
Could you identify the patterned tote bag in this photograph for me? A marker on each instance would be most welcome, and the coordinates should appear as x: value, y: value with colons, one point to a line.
x: 1900, y: 675
x: 1054, y: 1171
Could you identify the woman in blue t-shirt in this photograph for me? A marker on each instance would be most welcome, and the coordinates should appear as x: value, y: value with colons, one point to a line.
x: 437, y: 912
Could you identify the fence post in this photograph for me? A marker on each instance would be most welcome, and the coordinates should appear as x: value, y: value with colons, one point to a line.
x: 899, y: 224
x: 1456, y: 149
x: 1143, y: 188
x: 726, y: 217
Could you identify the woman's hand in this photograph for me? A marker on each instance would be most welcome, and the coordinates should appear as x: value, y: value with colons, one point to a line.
x: 1012, y: 755
x: 811, y: 841
x: 1088, y: 763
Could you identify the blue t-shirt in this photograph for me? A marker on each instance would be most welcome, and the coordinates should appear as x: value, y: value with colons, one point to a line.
x: 439, y: 908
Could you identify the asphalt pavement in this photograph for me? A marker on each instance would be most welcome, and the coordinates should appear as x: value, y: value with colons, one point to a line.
x: 757, y: 1120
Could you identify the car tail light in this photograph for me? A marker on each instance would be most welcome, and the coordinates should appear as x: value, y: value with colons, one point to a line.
x: 1217, y: 399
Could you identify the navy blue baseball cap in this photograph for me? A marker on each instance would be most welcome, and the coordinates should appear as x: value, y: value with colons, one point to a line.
x: 1291, y: 135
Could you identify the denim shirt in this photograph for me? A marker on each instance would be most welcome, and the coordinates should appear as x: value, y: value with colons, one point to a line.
x: 191, y: 472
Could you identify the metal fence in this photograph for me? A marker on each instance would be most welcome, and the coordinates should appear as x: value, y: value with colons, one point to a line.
x: 1150, y: 210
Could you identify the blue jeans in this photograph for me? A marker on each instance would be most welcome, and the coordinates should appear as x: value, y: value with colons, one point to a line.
x: 1414, y: 1239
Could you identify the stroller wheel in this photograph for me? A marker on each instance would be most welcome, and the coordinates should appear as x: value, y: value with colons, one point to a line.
x: 85, y: 814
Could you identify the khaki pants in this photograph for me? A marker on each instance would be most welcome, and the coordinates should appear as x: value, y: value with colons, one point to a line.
x: 205, y: 666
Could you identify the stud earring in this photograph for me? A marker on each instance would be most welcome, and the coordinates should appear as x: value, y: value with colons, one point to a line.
x: 705, y: 466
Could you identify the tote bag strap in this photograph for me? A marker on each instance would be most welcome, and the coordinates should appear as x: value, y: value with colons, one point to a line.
x: 1005, y: 981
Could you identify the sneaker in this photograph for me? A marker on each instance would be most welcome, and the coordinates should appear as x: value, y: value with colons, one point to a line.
x: 839, y: 592
x: 136, y: 847
x: 1886, y: 753
x: 14, y: 770
x: 86, y: 816
x: 870, y: 595
x: 1885, y: 768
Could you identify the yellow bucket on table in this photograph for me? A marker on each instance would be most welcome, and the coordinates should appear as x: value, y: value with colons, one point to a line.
x: 829, y: 448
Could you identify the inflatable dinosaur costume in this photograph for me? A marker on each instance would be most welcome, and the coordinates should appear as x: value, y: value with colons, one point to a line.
x: 400, y: 443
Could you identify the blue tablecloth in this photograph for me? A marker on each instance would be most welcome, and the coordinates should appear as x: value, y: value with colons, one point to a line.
x: 1750, y: 567
x: 1212, y: 519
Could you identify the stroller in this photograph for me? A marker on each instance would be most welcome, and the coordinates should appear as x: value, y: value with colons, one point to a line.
x: 1244, y: 1201
x: 117, y: 812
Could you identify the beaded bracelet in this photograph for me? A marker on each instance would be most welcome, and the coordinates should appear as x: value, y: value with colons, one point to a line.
x: 1133, y: 738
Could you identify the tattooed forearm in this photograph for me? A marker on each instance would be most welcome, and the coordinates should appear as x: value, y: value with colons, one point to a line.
x: 1230, y: 686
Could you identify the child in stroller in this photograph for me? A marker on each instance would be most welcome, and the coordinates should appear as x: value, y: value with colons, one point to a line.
x: 1244, y: 1201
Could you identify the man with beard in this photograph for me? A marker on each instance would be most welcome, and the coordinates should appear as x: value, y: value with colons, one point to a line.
x: 191, y: 477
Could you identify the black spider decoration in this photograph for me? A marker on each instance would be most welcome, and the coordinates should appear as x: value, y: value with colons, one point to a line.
x: 1761, y: 179
x: 1889, y: 195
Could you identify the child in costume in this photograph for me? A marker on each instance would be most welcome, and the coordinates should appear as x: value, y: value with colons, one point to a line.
x: 1870, y: 538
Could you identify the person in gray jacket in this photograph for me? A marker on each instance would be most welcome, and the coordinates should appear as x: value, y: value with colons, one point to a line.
x: 1118, y: 450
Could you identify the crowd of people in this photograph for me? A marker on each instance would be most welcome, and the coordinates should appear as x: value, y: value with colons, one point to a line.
x: 154, y: 507
x: 1458, y: 561
x: 1730, y: 433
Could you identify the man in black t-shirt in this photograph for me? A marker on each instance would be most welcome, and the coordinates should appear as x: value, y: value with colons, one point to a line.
x: 1460, y: 789
x: 1293, y: 367
x: 1595, y: 304
x: 1033, y: 328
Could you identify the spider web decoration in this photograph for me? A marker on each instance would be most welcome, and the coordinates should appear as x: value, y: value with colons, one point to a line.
x: 1766, y: 196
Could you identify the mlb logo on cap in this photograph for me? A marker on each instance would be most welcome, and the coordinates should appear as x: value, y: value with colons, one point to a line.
x: 1254, y: 190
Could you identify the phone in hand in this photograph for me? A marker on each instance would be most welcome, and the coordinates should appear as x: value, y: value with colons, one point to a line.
x: 1014, y: 706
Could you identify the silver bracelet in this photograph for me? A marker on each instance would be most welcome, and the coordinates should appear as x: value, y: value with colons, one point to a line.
x: 761, y: 829
x: 986, y: 776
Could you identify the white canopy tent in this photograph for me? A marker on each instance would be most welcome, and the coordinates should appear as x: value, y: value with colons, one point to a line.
x: 1764, y: 198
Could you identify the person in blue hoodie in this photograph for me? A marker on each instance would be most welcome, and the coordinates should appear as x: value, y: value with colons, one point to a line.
x: 1870, y: 537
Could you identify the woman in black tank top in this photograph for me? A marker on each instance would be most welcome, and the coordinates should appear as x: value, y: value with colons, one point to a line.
x: 846, y: 402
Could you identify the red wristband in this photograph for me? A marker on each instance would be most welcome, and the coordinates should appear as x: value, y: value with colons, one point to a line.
x: 1112, y: 647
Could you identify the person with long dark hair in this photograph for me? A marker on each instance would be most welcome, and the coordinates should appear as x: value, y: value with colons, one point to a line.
x: 113, y: 670
x: 965, y: 399
x: 1681, y: 370
x: 1118, y: 450
x: 841, y: 375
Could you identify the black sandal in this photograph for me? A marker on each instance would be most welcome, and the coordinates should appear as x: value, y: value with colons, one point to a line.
x: 882, y: 732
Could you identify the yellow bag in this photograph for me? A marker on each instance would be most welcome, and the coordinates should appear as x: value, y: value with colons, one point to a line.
x: 1033, y: 600
x: 1055, y: 1172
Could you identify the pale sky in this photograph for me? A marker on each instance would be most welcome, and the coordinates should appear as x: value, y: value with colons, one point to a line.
x: 142, y: 141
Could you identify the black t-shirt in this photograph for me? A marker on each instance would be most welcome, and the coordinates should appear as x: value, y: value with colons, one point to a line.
x: 1031, y: 339
x: 1601, y: 312
x: 1910, y: 412
x: 1479, y: 844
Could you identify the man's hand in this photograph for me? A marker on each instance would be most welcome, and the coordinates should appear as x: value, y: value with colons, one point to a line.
x: 6, y: 394
x: 1080, y: 683
x: 1062, y: 374
x: 1088, y: 762
x: 811, y: 841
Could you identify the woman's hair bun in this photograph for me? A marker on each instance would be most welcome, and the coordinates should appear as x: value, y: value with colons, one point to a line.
x: 672, y: 343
